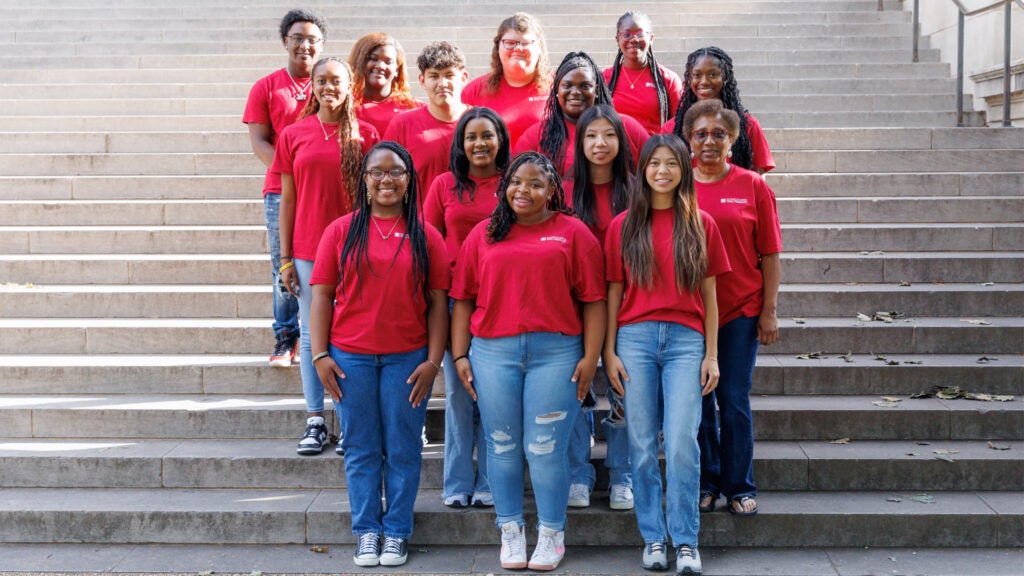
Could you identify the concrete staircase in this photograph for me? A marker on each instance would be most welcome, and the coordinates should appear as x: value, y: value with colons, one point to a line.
x: 135, y: 400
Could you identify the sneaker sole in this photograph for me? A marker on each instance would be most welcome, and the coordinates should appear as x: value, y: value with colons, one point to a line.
x: 393, y: 561
x: 513, y: 565
x: 621, y: 505
x: 656, y: 566
x: 365, y: 562
x: 690, y: 571
x: 578, y: 504
x: 542, y: 567
x: 309, y: 452
x: 283, y: 363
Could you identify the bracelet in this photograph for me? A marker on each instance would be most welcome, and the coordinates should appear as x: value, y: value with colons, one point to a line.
x: 466, y: 356
x: 435, y: 364
x: 285, y: 266
x: 283, y: 256
x: 320, y: 356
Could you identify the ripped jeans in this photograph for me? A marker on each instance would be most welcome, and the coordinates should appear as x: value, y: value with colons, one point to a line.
x: 527, y: 406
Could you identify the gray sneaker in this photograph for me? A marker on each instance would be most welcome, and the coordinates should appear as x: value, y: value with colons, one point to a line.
x: 655, y: 556
x: 687, y: 560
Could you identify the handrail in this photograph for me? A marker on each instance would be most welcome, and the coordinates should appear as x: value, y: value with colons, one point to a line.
x: 963, y: 13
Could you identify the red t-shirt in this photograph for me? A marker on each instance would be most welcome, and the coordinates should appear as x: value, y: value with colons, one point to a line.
x: 379, y: 310
x: 427, y: 139
x: 456, y: 218
x: 641, y: 101
x: 379, y: 114
x: 533, y: 280
x: 602, y: 206
x: 272, y: 102
x: 530, y: 140
x: 519, y: 106
x: 761, y: 153
x: 315, y: 165
x: 663, y: 301
x: 743, y: 206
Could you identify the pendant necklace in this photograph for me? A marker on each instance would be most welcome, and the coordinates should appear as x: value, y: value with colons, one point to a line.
x: 300, y: 91
x: 632, y: 82
x: 324, y: 130
x: 381, y: 232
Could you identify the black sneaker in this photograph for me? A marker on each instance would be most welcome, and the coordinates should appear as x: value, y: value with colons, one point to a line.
x: 394, y: 553
x: 315, y: 438
x: 285, y: 351
x: 338, y: 448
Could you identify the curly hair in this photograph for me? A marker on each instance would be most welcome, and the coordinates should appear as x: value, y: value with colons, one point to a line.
x: 503, y: 216
x: 439, y: 56
x: 356, y: 247
x: 523, y: 23
x: 553, y: 131
x: 348, y: 129
x: 302, y: 15
x: 688, y: 237
x: 716, y: 109
x: 360, y: 55
x: 652, y: 62
x: 458, y: 162
x: 583, y: 200
x: 742, y: 153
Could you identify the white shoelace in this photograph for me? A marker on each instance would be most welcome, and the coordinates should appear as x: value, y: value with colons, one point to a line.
x: 392, y: 546
x: 367, y: 544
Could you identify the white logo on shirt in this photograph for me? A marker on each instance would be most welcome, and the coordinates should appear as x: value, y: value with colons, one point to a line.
x: 400, y: 235
x: 650, y: 84
x: 537, y: 98
x: 553, y: 239
x: 734, y: 200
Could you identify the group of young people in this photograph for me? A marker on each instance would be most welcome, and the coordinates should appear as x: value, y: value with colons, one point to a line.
x: 522, y: 232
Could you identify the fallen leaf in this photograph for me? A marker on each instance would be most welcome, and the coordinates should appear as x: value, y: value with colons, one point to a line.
x: 858, y: 323
x: 919, y: 395
x: 989, y: 397
x: 319, y: 549
x: 912, y: 453
x: 839, y: 441
x: 913, y: 362
x: 863, y: 317
x: 924, y: 499
x: 892, y: 398
x: 995, y: 446
x: 950, y: 393
x: 872, y: 253
x: 978, y: 322
x: 986, y: 360
x: 944, y: 458
x: 903, y: 284
x: 885, y: 404
x: 945, y: 452
x: 987, y: 284
x: 853, y: 283
x: 892, y: 362
x: 894, y: 499
x: 811, y: 356
x: 923, y: 443
x: 800, y: 320
x: 848, y: 357
x: 206, y: 573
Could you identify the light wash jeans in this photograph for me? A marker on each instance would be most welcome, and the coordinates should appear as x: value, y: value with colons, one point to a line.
x: 616, y: 460
x: 286, y: 307
x: 382, y: 439
x: 663, y: 362
x: 312, y: 390
x: 528, y: 406
x: 463, y: 431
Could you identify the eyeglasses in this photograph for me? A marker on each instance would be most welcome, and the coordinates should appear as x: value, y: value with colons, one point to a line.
x: 378, y: 174
x: 627, y: 36
x: 703, y: 136
x: 299, y: 40
x: 513, y: 44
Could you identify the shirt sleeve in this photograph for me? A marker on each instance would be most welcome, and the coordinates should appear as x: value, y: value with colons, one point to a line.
x: 328, y: 256
x: 613, y: 268
x: 433, y: 206
x: 257, y: 107
x: 768, y: 234
x: 674, y: 87
x: 718, y: 258
x: 588, y: 267
x: 283, y: 155
x: 440, y: 274
x: 762, y: 153
x: 636, y: 134
x: 465, y: 278
x: 529, y: 141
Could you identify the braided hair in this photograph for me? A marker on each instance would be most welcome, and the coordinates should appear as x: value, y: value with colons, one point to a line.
x: 659, y: 79
x: 349, y: 141
x: 583, y: 199
x: 356, y: 245
x: 503, y: 216
x: 458, y: 162
x: 742, y: 153
x: 553, y: 131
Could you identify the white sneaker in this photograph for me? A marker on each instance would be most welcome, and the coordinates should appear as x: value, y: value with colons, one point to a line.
x: 549, y: 551
x: 655, y: 556
x: 367, y: 550
x: 457, y: 501
x: 688, y: 560
x: 621, y: 497
x: 513, y: 546
x: 395, y: 552
x: 579, y: 496
x: 482, y: 500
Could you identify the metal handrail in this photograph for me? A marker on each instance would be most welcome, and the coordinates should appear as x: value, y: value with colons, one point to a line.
x: 964, y: 12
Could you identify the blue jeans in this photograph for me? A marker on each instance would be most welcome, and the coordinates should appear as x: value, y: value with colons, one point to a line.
x: 727, y: 435
x: 663, y: 362
x: 463, y: 431
x: 286, y: 307
x: 312, y: 390
x: 616, y: 460
x: 528, y: 406
x: 382, y: 439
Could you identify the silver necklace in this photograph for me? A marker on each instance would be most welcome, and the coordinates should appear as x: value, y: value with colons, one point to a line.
x: 324, y: 130
x: 380, y: 231
x: 300, y: 91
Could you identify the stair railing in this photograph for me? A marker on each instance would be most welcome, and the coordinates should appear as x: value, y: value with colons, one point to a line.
x: 963, y: 13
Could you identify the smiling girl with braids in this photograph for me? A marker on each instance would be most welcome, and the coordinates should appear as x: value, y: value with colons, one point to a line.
x: 578, y: 86
x: 709, y: 76
x: 640, y: 86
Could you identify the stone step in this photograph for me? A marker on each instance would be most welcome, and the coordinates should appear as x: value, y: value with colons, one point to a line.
x: 775, y: 374
x: 124, y: 142
x: 181, y: 416
x: 958, y: 518
x: 904, y: 184
x: 894, y: 138
x: 270, y: 464
x: 131, y: 164
x: 914, y: 209
x: 895, y: 267
x: 124, y: 188
x: 254, y: 301
x: 120, y: 123
x: 890, y: 160
x: 867, y: 119
x: 919, y: 237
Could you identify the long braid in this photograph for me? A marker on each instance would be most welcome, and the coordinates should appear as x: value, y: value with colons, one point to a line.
x: 659, y: 79
x: 356, y: 245
x: 742, y: 153
x: 554, y: 133
x: 503, y: 216
x: 350, y: 146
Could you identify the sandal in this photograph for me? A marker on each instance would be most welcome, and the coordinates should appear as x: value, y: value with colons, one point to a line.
x: 741, y: 500
x: 710, y: 506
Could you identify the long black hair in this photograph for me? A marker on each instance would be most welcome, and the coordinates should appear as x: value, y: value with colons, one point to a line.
x: 503, y: 216
x: 357, y: 241
x: 583, y: 200
x: 742, y: 153
x: 554, y: 132
x: 458, y: 162
x: 651, y: 61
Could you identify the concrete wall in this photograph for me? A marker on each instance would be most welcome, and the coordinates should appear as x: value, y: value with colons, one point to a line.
x: 983, y: 52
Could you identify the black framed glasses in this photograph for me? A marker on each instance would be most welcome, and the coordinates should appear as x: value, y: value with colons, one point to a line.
x: 378, y: 174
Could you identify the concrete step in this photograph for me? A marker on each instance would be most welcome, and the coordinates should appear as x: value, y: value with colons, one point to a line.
x: 902, y: 184
x: 283, y: 417
x: 867, y: 119
x: 892, y: 160
x: 916, y: 335
x: 936, y: 209
x: 133, y: 212
x: 124, y: 188
x: 895, y: 267
x: 894, y: 138
x: 124, y: 142
x: 955, y: 300
x: 270, y: 464
x: 962, y: 519
x: 922, y: 237
x: 775, y: 374
x: 143, y: 269
x: 130, y: 164
x: 121, y: 123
